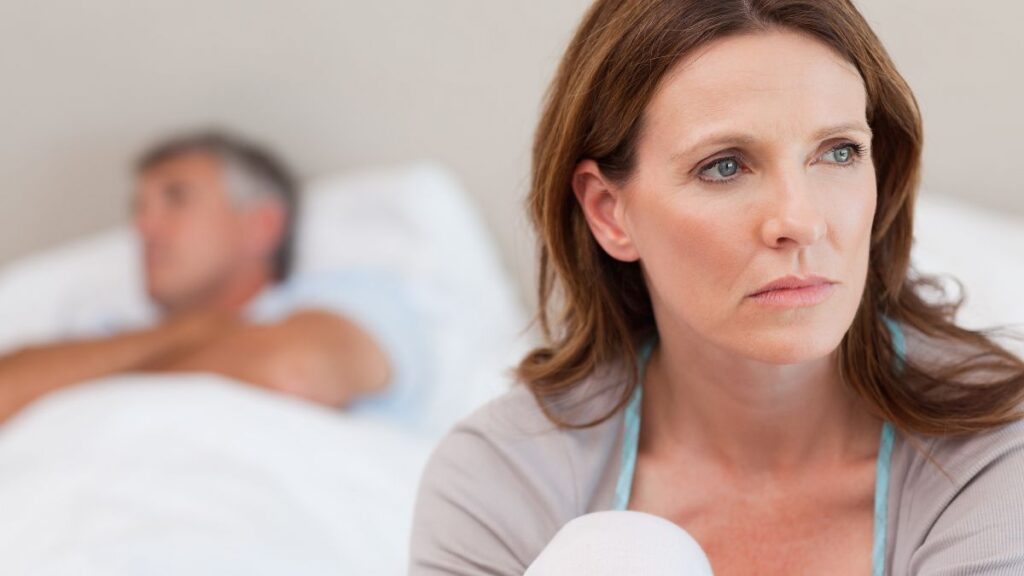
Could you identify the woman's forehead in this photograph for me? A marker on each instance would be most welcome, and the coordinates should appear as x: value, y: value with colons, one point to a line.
x: 777, y: 82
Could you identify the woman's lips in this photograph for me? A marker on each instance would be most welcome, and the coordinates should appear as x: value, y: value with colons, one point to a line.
x: 795, y: 297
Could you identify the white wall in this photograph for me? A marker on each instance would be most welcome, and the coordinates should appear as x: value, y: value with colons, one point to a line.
x: 337, y: 84
x: 964, y: 62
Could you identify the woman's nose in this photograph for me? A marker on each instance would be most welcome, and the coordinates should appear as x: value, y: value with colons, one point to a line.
x: 793, y: 217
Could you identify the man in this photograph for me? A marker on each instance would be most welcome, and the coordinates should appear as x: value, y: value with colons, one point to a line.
x: 215, y: 217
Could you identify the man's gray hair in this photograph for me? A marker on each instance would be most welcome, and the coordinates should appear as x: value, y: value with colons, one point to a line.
x: 251, y: 173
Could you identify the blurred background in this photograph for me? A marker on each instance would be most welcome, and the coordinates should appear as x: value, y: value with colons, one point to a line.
x: 335, y: 85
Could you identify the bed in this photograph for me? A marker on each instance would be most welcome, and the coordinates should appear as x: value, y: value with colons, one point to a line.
x: 196, y: 474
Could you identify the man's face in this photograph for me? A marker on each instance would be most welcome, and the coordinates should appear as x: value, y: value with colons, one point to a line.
x: 194, y: 236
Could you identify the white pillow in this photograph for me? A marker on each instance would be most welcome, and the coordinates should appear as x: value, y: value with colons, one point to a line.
x: 981, y: 248
x: 418, y: 222
x: 414, y: 220
x: 68, y: 291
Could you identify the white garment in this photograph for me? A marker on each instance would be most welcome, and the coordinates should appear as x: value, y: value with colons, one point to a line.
x: 621, y: 543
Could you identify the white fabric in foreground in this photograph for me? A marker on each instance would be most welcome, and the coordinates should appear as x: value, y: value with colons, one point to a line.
x: 199, y: 475
x: 621, y: 543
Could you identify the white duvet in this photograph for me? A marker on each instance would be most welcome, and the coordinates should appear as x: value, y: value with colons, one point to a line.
x: 199, y: 475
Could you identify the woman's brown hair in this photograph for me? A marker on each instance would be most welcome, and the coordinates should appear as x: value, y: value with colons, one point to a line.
x: 595, y: 109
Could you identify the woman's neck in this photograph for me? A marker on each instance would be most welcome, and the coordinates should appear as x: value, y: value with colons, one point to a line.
x: 750, y: 417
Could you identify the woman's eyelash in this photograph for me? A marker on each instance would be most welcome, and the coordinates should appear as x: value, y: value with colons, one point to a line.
x: 858, y: 152
x: 714, y: 162
x: 858, y: 149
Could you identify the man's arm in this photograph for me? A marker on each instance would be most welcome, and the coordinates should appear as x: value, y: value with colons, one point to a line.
x: 316, y: 355
x: 32, y: 372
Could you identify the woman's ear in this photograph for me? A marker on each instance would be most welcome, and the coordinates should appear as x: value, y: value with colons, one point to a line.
x: 603, y: 207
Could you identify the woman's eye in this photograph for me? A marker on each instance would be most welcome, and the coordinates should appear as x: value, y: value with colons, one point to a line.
x: 720, y: 170
x: 841, y: 154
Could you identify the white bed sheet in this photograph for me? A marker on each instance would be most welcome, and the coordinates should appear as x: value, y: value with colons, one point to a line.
x: 199, y: 475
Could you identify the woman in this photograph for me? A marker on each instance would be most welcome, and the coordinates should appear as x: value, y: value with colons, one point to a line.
x: 724, y: 194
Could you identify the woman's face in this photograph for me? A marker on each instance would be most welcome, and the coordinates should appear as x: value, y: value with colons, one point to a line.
x: 754, y: 165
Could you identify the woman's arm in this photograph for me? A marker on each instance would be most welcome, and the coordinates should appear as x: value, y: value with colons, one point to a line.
x: 497, y: 489
x: 467, y: 521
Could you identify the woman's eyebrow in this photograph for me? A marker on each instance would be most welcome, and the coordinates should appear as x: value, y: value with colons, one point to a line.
x: 715, y: 140
x: 861, y: 127
x: 743, y: 139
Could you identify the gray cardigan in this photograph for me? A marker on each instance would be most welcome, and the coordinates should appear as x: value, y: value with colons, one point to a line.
x: 505, y: 480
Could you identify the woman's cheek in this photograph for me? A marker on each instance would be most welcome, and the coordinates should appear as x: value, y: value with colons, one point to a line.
x: 692, y: 260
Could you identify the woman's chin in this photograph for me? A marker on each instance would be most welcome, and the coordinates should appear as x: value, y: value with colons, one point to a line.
x: 793, y: 348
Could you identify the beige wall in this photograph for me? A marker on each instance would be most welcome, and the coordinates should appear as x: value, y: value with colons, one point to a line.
x: 963, y: 60
x: 339, y: 84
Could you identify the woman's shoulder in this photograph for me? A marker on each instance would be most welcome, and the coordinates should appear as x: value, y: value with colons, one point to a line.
x: 961, y: 500
x: 506, y: 444
x: 518, y: 413
x: 513, y: 432
x: 966, y: 456
x: 504, y: 480
x: 934, y: 465
x: 518, y: 429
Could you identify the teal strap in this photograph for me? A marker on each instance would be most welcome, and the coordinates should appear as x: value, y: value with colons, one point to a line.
x: 882, y: 500
x: 899, y: 342
x: 630, y: 439
x: 883, y: 467
x: 631, y: 432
